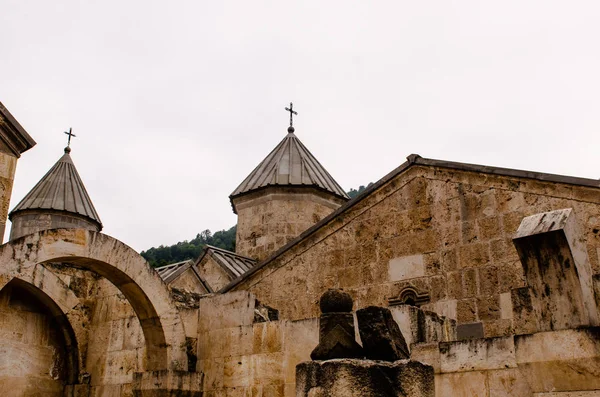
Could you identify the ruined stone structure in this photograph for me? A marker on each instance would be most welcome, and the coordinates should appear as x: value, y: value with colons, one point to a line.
x: 492, y: 276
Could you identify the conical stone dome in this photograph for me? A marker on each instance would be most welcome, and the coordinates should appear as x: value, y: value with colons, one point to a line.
x: 290, y: 164
x: 288, y: 192
x: 59, y: 199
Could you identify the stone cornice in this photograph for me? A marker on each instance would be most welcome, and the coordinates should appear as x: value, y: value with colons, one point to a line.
x: 13, y: 136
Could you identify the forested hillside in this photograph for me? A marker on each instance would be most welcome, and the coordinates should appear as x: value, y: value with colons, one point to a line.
x: 353, y: 192
x: 163, y: 255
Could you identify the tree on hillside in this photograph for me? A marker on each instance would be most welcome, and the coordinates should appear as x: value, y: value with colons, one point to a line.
x: 183, y: 250
x: 353, y: 192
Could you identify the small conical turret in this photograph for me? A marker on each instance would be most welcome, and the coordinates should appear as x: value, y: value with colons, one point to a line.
x: 284, y: 195
x: 58, y: 200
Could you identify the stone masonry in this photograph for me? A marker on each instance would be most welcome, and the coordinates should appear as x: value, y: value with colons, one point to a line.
x: 269, y: 219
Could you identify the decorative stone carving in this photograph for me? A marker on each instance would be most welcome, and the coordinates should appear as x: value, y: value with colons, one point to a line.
x: 336, y: 328
x: 410, y: 296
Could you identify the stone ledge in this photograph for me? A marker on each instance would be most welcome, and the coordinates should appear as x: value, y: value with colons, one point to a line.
x: 477, y: 355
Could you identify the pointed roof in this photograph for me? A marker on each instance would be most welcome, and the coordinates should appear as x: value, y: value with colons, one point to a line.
x: 233, y: 264
x: 171, y: 271
x: 61, y: 189
x: 290, y: 164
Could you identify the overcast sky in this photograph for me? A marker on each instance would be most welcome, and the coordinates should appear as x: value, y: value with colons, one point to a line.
x: 174, y: 103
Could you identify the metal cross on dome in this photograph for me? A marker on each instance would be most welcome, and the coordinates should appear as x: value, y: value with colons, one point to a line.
x: 70, y: 134
x: 292, y: 112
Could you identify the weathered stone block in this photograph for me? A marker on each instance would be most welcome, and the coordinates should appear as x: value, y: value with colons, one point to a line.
x: 466, y: 310
x: 364, y: 378
x: 477, y: 355
x: 462, y: 384
x: 560, y: 360
x: 167, y: 384
x: 227, y: 310
x: 508, y: 383
x: 381, y: 335
x: 237, y: 371
x: 557, y: 269
x: 267, y: 369
x: 406, y: 267
x: 267, y: 337
x: 469, y: 331
x: 427, y: 353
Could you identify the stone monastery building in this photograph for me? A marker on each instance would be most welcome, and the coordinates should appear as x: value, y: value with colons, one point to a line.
x: 492, y: 275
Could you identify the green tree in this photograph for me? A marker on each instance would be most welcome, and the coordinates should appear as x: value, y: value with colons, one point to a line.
x: 353, y: 192
x: 184, y: 250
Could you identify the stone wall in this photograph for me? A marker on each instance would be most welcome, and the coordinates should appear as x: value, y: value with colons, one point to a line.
x: 8, y: 165
x: 270, y: 218
x: 112, y: 345
x: 445, y: 233
x: 240, y: 356
x: 27, y: 222
x: 116, y: 348
x: 551, y: 363
x: 214, y: 274
x: 188, y: 281
x: 32, y: 353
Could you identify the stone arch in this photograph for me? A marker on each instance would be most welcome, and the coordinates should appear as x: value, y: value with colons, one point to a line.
x: 57, y: 311
x: 409, y: 296
x: 126, y: 269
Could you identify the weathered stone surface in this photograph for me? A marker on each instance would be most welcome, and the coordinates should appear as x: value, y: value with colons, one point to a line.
x: 557, y: 269
x: 264, y: 221
x: 477, y: 355
x: 469, y: 331
x: 336, y: 338
x: 406, y: 267
x: 381, y: 335
x: 462, y: 384
x: 364, y: 378
x: 508, y: 383
x: 167, y: 384
x: 33, y: 355
x: 335, y: 301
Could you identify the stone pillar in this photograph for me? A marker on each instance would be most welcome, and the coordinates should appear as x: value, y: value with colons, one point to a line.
x: 559, y: 292
x: 14, y: 140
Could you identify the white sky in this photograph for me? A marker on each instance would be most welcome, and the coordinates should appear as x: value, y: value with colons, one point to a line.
x: 174, y: 103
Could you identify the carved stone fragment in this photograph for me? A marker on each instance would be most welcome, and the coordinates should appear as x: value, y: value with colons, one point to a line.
x: 336, y: 328
x: 381, y: 335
